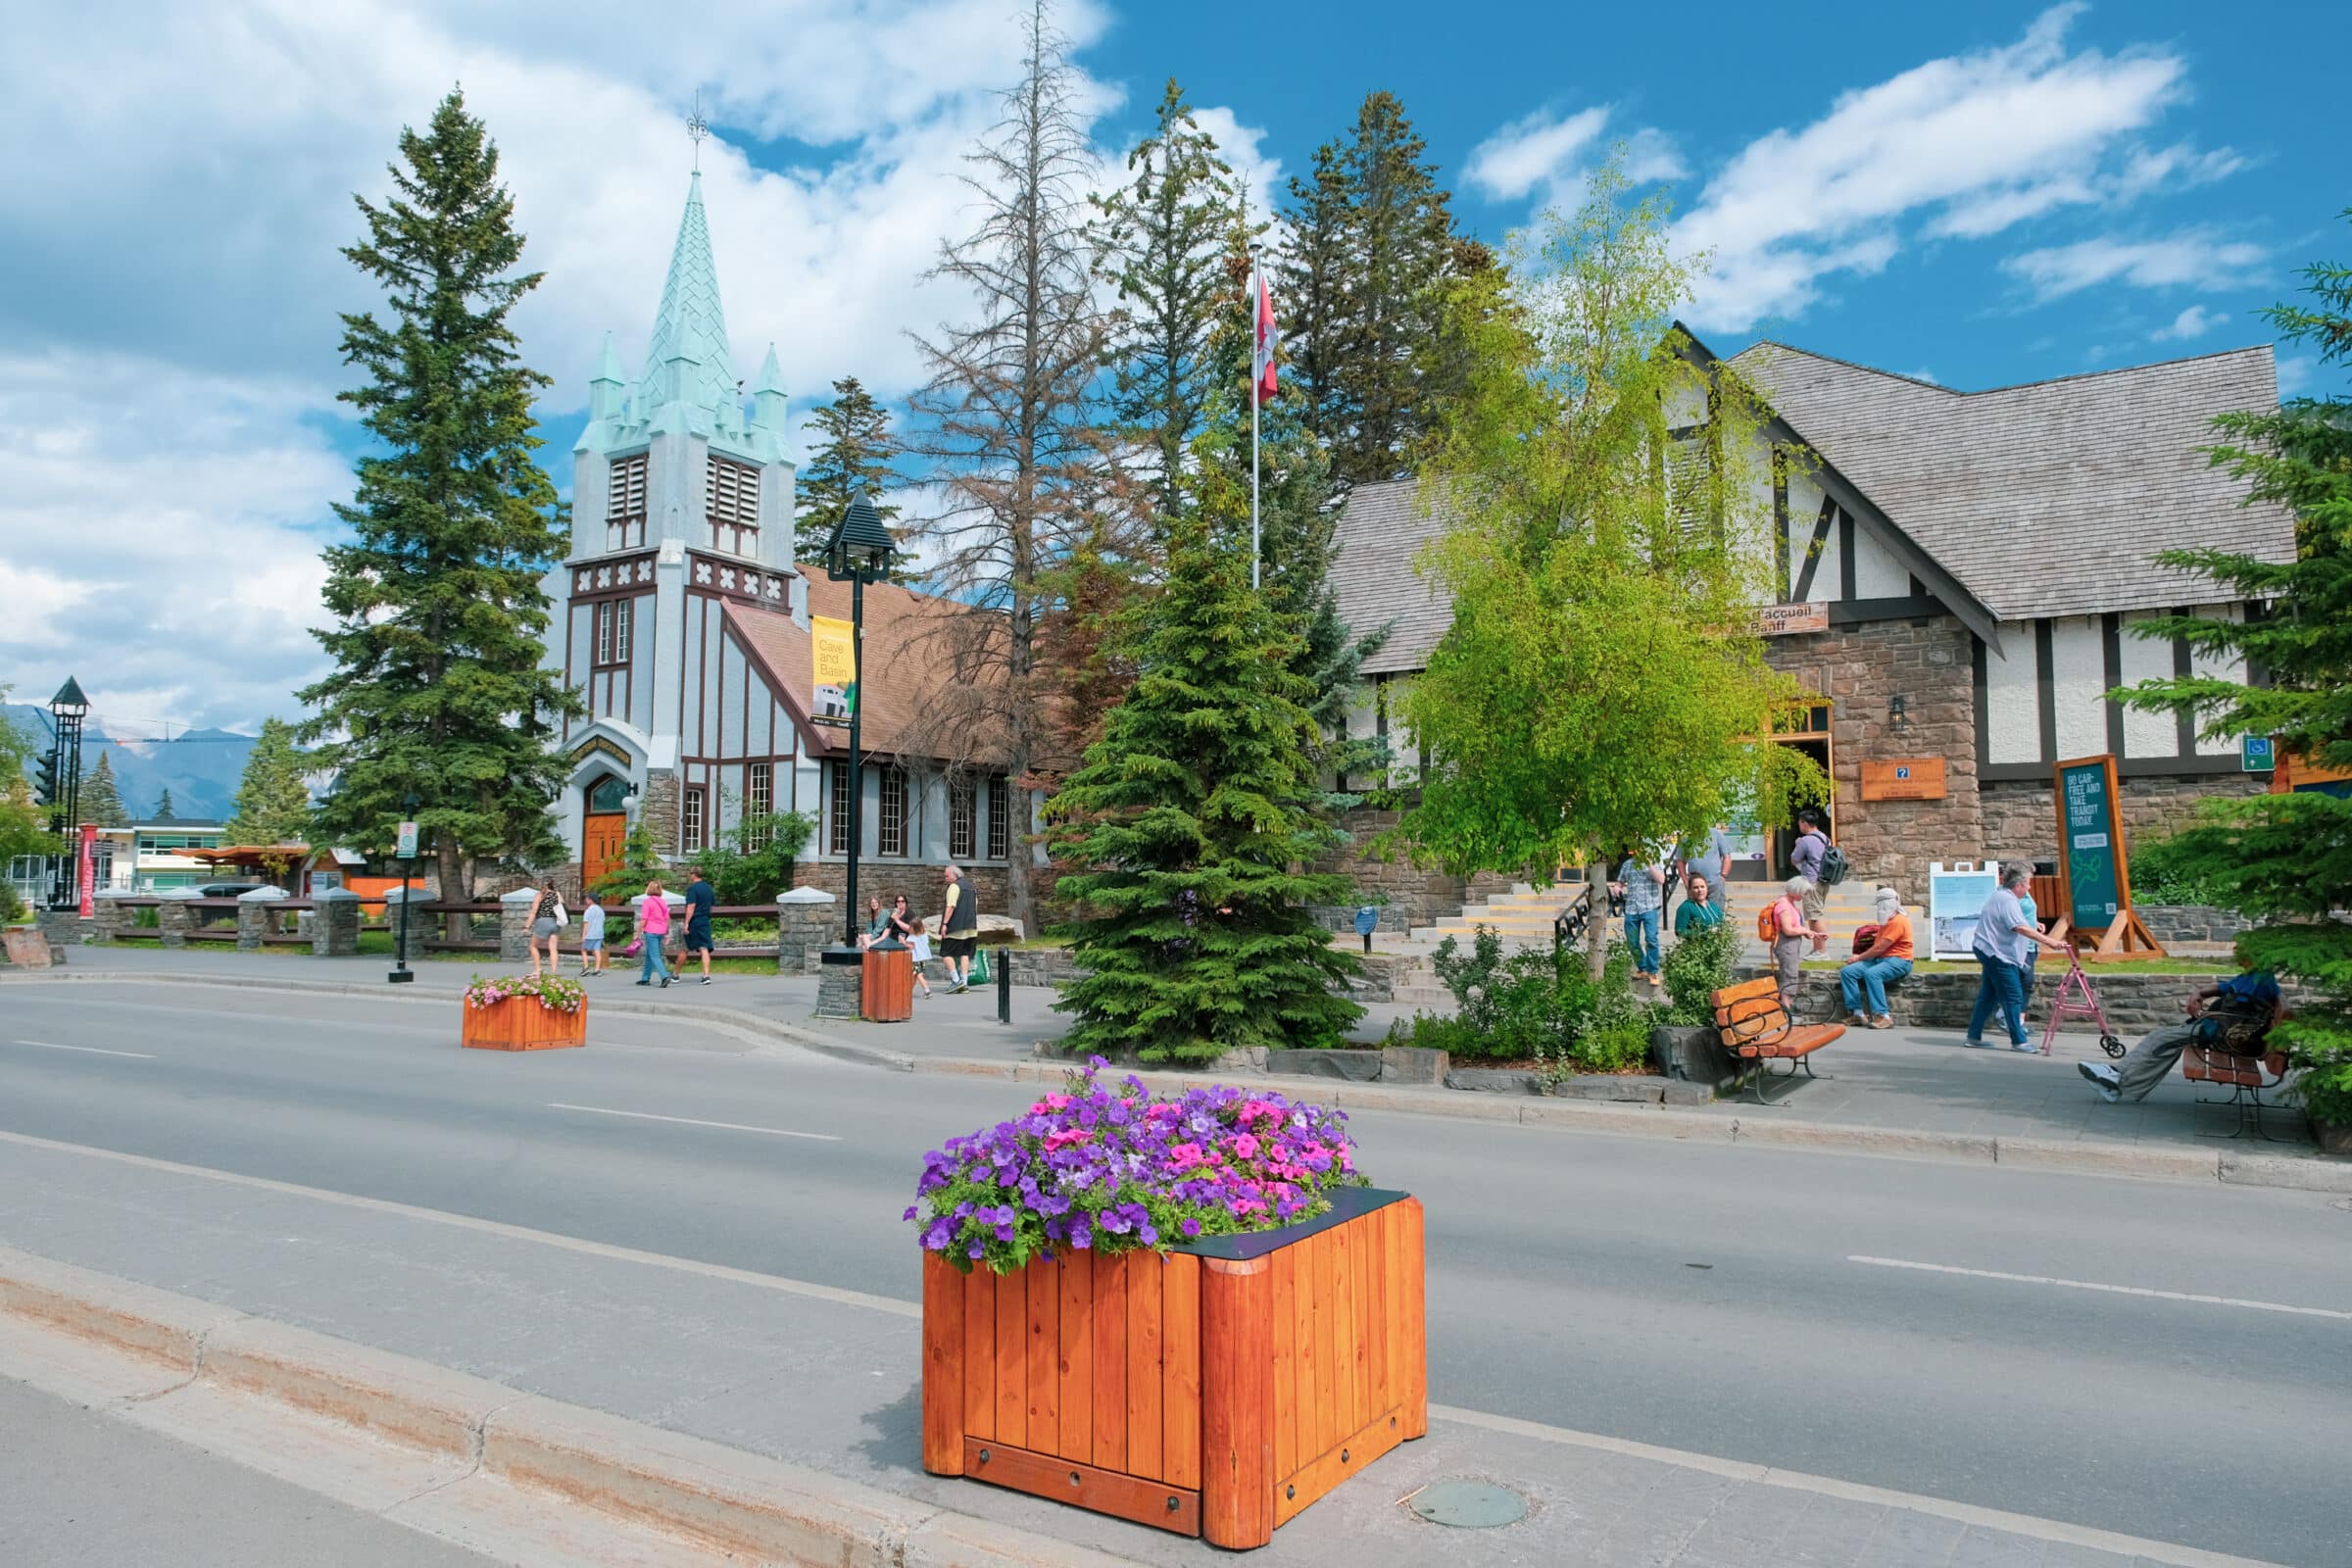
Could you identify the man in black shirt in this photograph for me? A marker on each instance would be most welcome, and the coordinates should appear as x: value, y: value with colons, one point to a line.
x: 701, y: 899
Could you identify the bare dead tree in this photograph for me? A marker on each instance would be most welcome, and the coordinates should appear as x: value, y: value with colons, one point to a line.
x: 1011, y: 419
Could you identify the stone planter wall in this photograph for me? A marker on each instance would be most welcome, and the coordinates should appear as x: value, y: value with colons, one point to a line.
x: 2134, y: 1002
x: 2172, y: 923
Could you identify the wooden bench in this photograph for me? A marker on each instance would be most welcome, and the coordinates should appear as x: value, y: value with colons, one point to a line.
x: 1757, y: 1030
x: 2245, y: 1077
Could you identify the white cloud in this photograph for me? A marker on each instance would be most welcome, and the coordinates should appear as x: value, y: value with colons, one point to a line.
x: 1548, y: 155
x: 2296, y: 374
x: 2193, y: 322
x: 2197, y: 256
x: 1983, y: 141
x: 1243, y: 147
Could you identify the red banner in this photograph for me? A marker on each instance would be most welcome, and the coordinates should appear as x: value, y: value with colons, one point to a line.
x: 85, y: 864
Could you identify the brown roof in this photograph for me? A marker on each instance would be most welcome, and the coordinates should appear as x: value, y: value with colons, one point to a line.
x: 909, y: 662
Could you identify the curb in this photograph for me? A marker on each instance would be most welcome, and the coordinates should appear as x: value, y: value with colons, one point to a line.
x: 2143, y: 1161
x: 715, y: 1496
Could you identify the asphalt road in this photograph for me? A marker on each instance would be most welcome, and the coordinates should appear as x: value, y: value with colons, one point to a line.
x: 1704, y: 1297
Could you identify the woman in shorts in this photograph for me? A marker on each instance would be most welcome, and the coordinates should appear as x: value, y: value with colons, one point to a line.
x: 546, y: 926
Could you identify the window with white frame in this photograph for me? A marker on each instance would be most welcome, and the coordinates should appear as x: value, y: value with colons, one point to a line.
x: 624, y: 504
x: 836, y: 829
x: 1000, y: 818
x: 690, y: 822
x: 893, y: 827
x: 963, y: 812
x: 616, y: 623
x: 758, y: 799
x: 734, y: 507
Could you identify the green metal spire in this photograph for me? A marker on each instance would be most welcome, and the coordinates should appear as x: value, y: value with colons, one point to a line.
x: 688, y: 360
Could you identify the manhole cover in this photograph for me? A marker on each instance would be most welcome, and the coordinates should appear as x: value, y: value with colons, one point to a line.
x: 1469, y: 1504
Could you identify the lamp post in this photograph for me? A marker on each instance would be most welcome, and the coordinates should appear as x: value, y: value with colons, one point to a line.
x: 405, y: 848
x: 860, y: 549
x: 67, y: 710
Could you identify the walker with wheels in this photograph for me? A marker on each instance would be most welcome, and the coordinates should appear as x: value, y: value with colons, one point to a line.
x: 2077, y: 998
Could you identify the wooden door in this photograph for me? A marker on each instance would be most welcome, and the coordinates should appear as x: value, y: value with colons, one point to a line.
x: 602, y: 837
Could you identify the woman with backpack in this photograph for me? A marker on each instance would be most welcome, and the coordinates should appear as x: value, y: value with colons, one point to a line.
x: 1782, y: 927
x: 547, y: 919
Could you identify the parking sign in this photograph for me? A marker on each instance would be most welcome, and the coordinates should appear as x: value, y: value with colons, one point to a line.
x: 407, y: 848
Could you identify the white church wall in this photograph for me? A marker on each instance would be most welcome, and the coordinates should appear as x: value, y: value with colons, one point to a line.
x: 2078, y: 682
x: 2012, y: 698
x: 1878, y: 574
x: 2230, y: 666
x: 2148, y: 734
x: 734, y: 676
x: 668, y: 638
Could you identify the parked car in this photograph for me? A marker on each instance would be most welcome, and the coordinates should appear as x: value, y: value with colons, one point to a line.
x: 227, y: 890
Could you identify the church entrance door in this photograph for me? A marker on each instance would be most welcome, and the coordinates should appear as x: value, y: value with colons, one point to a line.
x: 603, y: 829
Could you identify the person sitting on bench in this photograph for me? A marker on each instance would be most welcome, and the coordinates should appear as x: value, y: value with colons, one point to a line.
x: 1884, y: 961
x: 2244, y: 1007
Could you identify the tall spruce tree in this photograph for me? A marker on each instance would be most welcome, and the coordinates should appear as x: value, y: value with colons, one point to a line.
x: 1191, y: 814
x: 438, y: 687
x: 101, y: 796
x: 1163, y: 239
x: 855, y: 451
x: 1021, y: 453
x: 163, y: 811
x: 1371, y: 245
x: 273, y: 803
x: 2285, y: 860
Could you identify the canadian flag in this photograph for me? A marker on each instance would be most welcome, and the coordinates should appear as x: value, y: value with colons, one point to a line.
x: 1261, y: 361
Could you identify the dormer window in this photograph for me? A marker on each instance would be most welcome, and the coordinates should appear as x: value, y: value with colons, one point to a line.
x: 734, y: 502
x: 624, y: 505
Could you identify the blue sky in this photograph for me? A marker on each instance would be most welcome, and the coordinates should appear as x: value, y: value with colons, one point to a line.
x: 1984, y: 196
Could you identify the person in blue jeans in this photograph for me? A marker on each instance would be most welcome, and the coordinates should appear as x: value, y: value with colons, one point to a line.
x: 1642, y: 886
x: 1887, y: 961
x: 652, y: 922
x: 2005, y: 940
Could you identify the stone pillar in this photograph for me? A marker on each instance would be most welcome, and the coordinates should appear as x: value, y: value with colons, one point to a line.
x: 514, y: 925
x: 174, y: 917
x: 65, y: 928
x: 806, y: 918
x: 257, y: 912
x: 112, y: 919
x: 335, y: 925
x: 840, y: 979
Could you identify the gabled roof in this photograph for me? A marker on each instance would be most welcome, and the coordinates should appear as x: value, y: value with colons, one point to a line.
x: 689, y: 325
x: 2050, y: 498
x: 1381, y: 531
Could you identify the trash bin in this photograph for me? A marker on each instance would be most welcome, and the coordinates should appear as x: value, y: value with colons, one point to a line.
x: 886, y: 982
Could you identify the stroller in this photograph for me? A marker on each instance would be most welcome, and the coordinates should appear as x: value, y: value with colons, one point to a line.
x: 2077, y: 998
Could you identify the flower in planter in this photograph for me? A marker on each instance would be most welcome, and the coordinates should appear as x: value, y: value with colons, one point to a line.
x: 1110, y: 1169
x: 552, y: 992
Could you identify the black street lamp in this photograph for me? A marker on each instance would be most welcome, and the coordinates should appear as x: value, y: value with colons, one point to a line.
x: 860, y: 551
x: 407, y: 848
x: 66, y: 711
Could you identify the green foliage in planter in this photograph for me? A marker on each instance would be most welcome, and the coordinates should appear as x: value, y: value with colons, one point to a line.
x: 754, y: 861
x: 2164, y: 871
x: 1536, y: 1005
x: 1697, y: 966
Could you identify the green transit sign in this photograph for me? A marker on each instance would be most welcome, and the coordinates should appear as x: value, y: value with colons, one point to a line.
x: 2091, y: 843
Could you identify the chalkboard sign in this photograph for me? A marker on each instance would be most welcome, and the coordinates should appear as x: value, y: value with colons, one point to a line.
x: 2092, y: 870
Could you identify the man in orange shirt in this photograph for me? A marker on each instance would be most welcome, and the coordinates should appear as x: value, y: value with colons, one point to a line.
x: 1887, y: 961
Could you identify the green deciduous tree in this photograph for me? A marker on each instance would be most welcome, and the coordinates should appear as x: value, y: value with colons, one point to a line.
x: 1190, y: 814
x: 754, y: 858
x: 438, y: 687
x: 1163, y: 236
x: 101, y: 796
x: 273, y: 803
x: 640, y: 863
x: 1600, y: 683
x: 2285, y: 860
x: 856, y: 450
x: 23, y: 823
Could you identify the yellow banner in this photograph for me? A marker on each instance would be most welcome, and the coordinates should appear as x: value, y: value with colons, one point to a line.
x: 833, y: 656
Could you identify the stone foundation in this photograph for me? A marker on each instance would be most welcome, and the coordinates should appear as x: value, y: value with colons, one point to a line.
x: 1406, y: 895
x: 2136, y: 1002
x: 2020, y: 819
x: 2174, y: 923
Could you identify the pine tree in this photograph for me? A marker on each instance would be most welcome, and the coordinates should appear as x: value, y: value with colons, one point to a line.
x: 101, y: 798
x: 438, y: 687
x: 273, y: 803
x: 1013, y: 425
x: 163, y: 808
x: 2285, y: 860
x: 1313, y: 279
x: 1191, y: 813
x: 856, y: 451
x: 1163, y: 235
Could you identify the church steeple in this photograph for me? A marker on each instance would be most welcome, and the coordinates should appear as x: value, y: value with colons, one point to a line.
x: 767, y: 393
x: 605, y: 389
x: 688, y: 360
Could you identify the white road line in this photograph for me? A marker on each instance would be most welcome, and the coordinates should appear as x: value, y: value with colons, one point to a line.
x: 2111, y: 1290
x: 138, y: 1055
x: 1967, y: 1513
x: 488, y: 1227
x: 689, y: 1121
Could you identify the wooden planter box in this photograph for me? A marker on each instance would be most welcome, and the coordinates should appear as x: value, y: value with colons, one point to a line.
x: 521, y: 1023
x: 1213, y: 1391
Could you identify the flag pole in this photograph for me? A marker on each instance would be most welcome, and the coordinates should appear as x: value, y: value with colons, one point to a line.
x: 1257, y: 328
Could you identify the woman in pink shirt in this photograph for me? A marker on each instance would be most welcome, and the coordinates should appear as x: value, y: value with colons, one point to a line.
x: 652, y: 924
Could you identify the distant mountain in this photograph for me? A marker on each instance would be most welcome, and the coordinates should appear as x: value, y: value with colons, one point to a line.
x: 201, y: 768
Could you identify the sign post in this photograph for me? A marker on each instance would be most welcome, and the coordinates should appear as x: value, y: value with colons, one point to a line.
x: 405, y: 850
x: 2093, y: 876
x: 2257, y: 753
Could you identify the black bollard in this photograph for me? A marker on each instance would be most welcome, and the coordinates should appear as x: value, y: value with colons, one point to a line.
x: 1003, y: 985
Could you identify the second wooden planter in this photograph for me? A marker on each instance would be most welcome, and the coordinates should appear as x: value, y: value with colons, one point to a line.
x: 522, y: 1023
x: 1216, y: 1391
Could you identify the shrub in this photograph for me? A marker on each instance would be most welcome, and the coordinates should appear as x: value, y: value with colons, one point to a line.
x: 1696, y: 968
x: 2163, y: 872
x: 1536, y: 1007
x: 11, y: 907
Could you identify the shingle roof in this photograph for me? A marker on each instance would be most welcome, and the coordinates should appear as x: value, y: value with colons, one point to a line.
x: 690, y: 325
x: 1381, y: 531
x: 2051, y: 498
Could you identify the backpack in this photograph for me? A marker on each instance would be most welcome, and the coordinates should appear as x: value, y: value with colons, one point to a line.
x: 1833, y: 866
x: 1768, y: 922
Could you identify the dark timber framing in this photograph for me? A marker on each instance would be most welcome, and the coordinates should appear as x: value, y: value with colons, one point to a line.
x: 1845, y: 554
x: 2111, y: 645
x: 1780, y: 520
x: 2046, y: 688
x: 1821, y: 538
x: 2184, y: 723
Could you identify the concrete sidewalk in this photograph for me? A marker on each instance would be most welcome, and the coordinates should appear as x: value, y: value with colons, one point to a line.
x: 364, y: 1311
x: 1911, y: 1092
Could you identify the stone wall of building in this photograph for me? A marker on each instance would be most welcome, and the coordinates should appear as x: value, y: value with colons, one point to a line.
x: 2020, y: 816
x: 1408, y: 895
x: 659, y: 810
x: 1927, y: 660
x: 924, y: 884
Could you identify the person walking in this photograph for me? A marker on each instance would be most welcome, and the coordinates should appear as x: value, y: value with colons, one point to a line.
x: 546, y: 926
x: 700, y: 898
x: 2004, y: 940
x: 958, y: 929
x: 1806, y: 857
x: 592, y: 939
x: 653, y: 928
x: 1641, y: 883
x: 1785, y: 921
x: 1884, y: 961
x: 1699, y: 910
x: 904, y: 925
